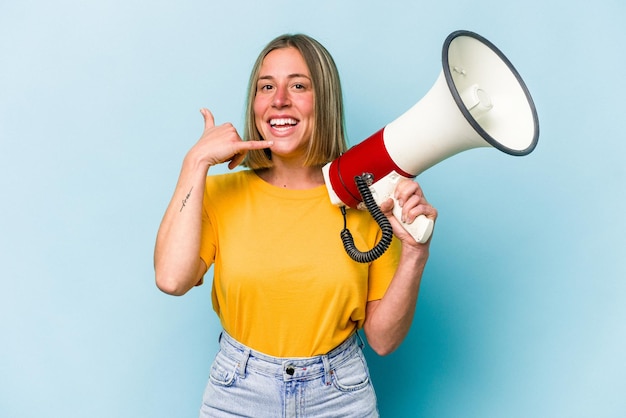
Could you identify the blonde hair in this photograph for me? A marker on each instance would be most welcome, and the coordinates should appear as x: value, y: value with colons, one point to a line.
x: 328, y: 139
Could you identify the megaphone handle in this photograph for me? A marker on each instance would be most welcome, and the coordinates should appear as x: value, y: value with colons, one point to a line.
x: 421, y: 228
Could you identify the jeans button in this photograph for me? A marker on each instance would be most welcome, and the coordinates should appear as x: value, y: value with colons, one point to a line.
x: 290, y: 370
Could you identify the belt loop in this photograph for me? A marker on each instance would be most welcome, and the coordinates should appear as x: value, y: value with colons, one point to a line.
x: 361, y: 343
x: 241, y: 367
x: 327, y: 370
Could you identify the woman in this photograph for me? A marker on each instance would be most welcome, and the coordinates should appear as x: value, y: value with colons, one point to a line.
x: 289, y: 298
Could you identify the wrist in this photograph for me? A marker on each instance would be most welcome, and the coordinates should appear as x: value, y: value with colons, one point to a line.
x: 194, y: 162
x: 417, y: 253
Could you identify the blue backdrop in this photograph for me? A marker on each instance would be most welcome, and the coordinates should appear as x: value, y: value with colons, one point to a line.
x: 522, y: 310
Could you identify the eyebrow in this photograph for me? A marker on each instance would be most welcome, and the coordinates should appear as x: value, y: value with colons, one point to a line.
x: 295, y: 75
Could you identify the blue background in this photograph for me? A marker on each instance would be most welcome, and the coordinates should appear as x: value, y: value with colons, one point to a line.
x: 522, y: 310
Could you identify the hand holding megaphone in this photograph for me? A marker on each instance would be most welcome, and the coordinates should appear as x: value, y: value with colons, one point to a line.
x: 421, y: 227
x: 479, y: 100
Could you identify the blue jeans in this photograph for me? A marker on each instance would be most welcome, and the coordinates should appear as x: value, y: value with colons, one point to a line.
x: 246, y: 383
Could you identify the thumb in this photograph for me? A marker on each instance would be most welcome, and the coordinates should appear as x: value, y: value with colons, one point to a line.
x: 387, y: 207
x: 209, y: 121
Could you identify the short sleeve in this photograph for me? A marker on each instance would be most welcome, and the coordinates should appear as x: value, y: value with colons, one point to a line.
x: 207, y: 238
x: 382, y: 271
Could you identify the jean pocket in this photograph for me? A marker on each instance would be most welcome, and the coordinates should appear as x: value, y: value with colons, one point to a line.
x: 351, y: 375
x: 223, y: 370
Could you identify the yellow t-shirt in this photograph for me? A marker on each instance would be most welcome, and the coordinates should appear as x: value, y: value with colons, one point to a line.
x: 283, y: 283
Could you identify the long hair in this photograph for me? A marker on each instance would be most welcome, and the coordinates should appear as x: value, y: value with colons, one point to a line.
x: 328, y: 138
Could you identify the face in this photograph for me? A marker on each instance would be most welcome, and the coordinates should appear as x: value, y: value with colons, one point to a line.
x: 284, y: 105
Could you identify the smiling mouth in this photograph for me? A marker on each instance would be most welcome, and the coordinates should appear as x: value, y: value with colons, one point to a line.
x: 283, y: 123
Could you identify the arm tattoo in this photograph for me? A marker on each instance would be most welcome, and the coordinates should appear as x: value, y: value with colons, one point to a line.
x: 185, y: 200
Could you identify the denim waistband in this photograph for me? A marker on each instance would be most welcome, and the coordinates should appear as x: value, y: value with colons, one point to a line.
x: 288, y: 369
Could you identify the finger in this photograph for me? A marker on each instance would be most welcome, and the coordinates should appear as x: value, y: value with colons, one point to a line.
x: 413, y: 206
x: 209, y: 121
x: 236, y: 160
x: 405, y: 190
x: 244, y: 148
x: 422, y: 209
x: 259, y: 144
x: 387, y: 207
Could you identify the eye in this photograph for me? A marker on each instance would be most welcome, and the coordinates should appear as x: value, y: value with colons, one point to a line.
x: 264, y: 86
x: 301, y: 85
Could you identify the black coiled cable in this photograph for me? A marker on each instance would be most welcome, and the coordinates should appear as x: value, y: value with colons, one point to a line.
x: 380, y: 218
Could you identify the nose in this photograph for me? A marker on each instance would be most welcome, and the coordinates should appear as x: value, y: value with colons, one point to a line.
x: 281, y: 97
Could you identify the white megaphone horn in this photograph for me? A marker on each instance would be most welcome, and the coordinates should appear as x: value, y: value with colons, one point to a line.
x: 479, y: 100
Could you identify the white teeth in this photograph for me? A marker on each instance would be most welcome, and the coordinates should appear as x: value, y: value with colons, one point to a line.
x: 283, y: 122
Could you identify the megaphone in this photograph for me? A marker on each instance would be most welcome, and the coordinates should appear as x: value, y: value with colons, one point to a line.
x: 478, y: 100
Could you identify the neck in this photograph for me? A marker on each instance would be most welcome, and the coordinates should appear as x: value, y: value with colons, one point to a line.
x: 293, y: 177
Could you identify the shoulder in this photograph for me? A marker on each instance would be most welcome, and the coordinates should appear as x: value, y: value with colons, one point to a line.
x: 229, y: 181
x: 233, y: 188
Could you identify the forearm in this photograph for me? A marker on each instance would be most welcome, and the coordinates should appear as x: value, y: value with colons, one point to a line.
x: 388, y: 320
x: 177, y: 262
x: 176, y: 256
